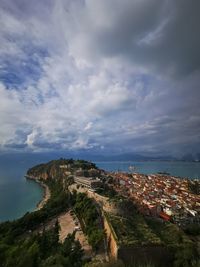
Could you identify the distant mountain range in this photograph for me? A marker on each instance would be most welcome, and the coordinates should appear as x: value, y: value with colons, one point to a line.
x: 190, y: 157
x: 129, y: 157
x: 43, y: 157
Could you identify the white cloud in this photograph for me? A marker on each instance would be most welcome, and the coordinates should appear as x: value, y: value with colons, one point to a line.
x: 31, y: 138
x: 90, y: 82
x: 88, y: 126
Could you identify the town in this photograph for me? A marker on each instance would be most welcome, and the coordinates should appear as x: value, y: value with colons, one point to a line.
x: 159, y: 195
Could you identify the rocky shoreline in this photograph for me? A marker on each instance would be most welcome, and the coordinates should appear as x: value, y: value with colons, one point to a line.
x: 46, y: 193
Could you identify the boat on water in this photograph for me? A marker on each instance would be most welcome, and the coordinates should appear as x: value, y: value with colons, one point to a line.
x: 164, y: 173
x: 132, y: 168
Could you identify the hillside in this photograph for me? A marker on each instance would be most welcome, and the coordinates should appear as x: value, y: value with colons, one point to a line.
x: 58, y: 169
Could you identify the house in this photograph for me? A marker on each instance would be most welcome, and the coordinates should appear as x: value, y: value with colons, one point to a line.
x: 88, y: 182
x: 164, y: 216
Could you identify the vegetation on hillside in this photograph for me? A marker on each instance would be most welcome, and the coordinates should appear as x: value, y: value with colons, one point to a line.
x: 182, y: 247
x: 133, y: 231
x: 20, y: 247
x: 90, y: 218
x: 58, y: 202
x: 52, y: 169
x: 41, y: 250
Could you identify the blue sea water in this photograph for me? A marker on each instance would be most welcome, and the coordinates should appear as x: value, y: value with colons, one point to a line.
x: 177, y: 168
x: 18, y: 195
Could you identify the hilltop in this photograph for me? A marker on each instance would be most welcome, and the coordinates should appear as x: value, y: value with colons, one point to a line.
x: 57, y: 168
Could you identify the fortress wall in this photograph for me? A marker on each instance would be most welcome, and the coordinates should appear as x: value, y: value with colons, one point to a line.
x: 111, y: 239
x: 157, y: 255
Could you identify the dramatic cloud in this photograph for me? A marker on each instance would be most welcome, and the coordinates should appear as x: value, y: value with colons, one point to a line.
x: 100, y: 75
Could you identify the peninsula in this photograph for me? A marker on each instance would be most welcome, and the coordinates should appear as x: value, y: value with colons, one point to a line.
x: 91, y: 217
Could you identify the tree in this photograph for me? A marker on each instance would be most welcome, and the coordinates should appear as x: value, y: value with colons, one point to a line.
x: 31, y: 257
x: 184, y: 255
x: 95, y: 238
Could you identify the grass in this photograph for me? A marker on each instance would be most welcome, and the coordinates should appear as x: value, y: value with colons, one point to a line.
x: 169, y: 233
x: 136, y: 230
x: 133, y: 231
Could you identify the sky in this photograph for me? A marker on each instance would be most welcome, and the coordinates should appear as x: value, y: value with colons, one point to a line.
x: 104, y: 76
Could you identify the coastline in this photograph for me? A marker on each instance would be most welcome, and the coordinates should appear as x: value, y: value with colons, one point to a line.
x: 46, y: 192
x: 45, y: 198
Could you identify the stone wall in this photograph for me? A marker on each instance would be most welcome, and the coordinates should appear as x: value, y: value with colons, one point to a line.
x: 111, y: 239
x: 104, y: 202
x: 157, y: 255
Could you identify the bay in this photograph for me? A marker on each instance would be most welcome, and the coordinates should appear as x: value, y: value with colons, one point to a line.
x: 17, y: 195
x: 177, y: 168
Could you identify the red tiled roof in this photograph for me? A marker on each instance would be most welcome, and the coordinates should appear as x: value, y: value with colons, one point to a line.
x: 164, y: 216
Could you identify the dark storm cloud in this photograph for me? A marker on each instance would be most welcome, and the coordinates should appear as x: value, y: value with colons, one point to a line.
x: 162, y: 35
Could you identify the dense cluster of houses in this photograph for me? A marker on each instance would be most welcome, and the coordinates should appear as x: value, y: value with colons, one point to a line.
x: 159, y: 195
x: 156, y: 195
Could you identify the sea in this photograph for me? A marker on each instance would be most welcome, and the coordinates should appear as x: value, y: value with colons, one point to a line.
x: 18, y: 195
x: 177, y: 168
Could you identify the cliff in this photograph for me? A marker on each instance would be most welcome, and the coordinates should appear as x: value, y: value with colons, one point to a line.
x: 59, y: 169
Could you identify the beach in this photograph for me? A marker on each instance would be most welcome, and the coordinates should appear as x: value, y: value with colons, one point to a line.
x: 46, y: 196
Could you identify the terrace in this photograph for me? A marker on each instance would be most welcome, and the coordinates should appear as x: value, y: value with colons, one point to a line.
x: 133, y: 231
